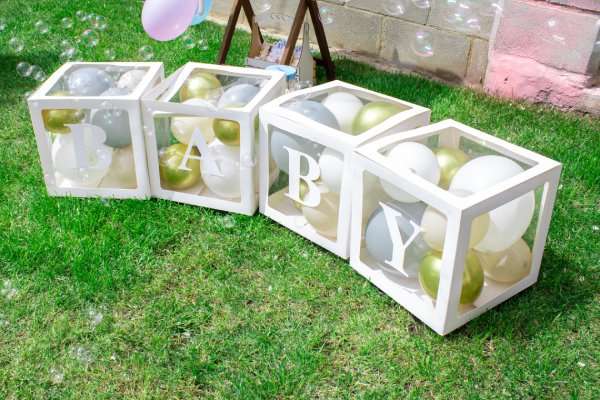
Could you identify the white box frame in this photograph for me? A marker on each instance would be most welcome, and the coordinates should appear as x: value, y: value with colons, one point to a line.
x: 273, y: 114
x: 443, y: 315
x: 40, y: 100
x: 157, y: 103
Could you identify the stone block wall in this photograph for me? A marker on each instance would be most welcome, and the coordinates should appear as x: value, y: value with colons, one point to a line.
x: 538, y: 50
x: 453, y: 51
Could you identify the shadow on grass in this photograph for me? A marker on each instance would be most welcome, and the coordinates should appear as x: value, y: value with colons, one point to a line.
x: 12, y: 85
x: 537, y: 309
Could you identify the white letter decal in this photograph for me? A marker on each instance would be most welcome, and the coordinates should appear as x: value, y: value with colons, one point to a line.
x: 313, y: 197
x: 209, y: 163
x: 398, y: 246
x: 94, y: 135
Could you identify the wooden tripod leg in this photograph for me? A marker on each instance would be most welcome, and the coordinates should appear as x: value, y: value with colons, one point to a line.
x: 251, y: 17
x: 229, y: 30
x: 290, y: 46
x: 313, y: 8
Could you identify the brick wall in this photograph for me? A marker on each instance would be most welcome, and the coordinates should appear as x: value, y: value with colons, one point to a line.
x: 366, y: 27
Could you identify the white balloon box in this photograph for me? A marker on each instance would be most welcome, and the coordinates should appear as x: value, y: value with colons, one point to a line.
x: 449, y: 221
x: 88, y: 127
x: 306, y: 140
x: 201, y: 134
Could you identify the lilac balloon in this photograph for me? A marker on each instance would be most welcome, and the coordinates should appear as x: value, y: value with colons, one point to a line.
x: 166, y: 19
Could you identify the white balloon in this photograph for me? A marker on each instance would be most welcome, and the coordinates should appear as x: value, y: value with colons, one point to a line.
x: 415, y: 157
x: 183, y: 127
x: 130, y: 79
x: 331, y: 164
x: 507, y: 222
x: 88, y: 81
x: 344, y: 106
x: 121, y: 174
x: 227, y: 183
x: 97, y: 155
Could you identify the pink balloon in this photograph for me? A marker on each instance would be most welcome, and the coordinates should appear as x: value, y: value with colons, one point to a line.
x: 166, y: 19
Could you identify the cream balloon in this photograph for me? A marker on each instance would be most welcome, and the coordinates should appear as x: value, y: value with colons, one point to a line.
x: 416, y: 158
x: 121, y: 174
x: 434, y: 225
x: 227, y: 183
x: 97, y: 155
x: 508, y: 266
x: 324, y: 217
x: 331, y: 164
x: 507, y: 222
x: 344, y: 106
x: 184, y: 126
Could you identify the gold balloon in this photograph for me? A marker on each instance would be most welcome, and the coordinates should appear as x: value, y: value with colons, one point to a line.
x: 200, y: 85
x: 450, y: 160
x: 171, y: 176
x: 303, y: 191
x: 373, y: 114
x: 433, y: 225
x: 508, y: 266
x: 55, y: 121
x: 227, y: 131
x: 324, y: 217
x: 472, y: 280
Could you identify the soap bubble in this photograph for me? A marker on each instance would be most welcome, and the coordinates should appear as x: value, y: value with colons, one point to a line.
x: 90, y: 17
x: 65, y: 44
x: 81, y: 15
x: 16, y: 44
x: 95, y: 317
x: 2, y: 24
x: 66, y: 23
x: 203, y: 44
x: 422, y: 44
x: 473, y: 24
x: 24, y: 69
x: 68, y: 54
x: 8, y: 290
x: 110, y: 54
x: 489, y: 8
x: 146, y: 53
x: 228, y: 222
x: 38, y: 73
x: 394, y: 7
x: 262, y: 6
x: 99, y: 22
x: 89, y: 38
x: 554, y: 29
x: 326, y: 15
x: 82, y: 354
x: 552, y: 23
x: 188, y: 41
x: 41, y: 27
x: 57, y: 377
x: 422, y: 3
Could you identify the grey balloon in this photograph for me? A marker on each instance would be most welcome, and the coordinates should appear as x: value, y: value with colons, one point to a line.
x: 89, y: 81
x: 240, y: 94
x: 116, y: 125
x: 280, y: 139
x: 378, y: 240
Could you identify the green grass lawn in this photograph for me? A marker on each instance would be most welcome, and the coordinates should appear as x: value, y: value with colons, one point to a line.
x: 200, y: 303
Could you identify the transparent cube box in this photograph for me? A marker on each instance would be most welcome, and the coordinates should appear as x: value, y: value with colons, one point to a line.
x: 201, y: 132
x: 306, y: 140
x: 450, y: 221
x: 88, y: 126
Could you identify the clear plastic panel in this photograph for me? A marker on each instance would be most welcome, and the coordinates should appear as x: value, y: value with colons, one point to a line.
x: 99, y: 80
x: 91, y: 148
x: 400, y: 242
x: 305, y: 180
x: 502, y: 252
x: 456, y: 162
x: 219, y: 90
x: 349, y: 112
x: 199, y: 155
